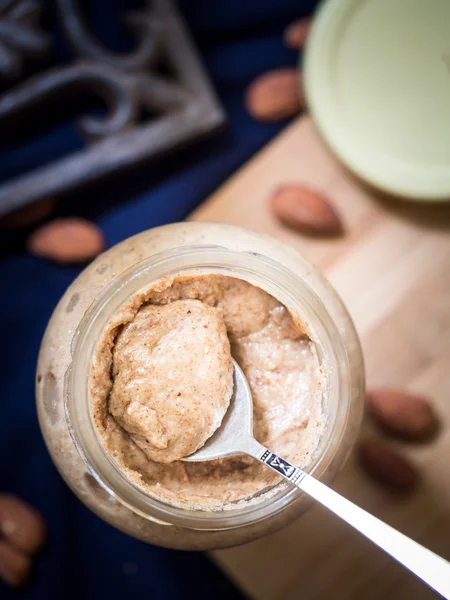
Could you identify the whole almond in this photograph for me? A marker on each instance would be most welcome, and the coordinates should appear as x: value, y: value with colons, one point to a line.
x: 67, y: 241
x: 21, y: 524
x: 27, y: 216
x: 15, y: 566
x: 405, y: 416
x: 296, y: 34
x: 275, y: 95
x: 387, y: 467
x: 305, y: 209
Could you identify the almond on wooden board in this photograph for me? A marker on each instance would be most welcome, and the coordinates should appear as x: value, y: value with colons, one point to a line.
x: 387, y: 467
x: 15, y: 566
x: 296, y: 34
x: 305, y: 210
x: 275, y: 95
x: 21, y: 524
x: 66, y: 241
x: 406, y: 416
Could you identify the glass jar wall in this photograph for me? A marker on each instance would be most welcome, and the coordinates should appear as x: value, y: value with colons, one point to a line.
x: 94, y: 297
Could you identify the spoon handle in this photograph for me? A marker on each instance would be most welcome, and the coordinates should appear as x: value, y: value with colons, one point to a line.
x: 428, y: 566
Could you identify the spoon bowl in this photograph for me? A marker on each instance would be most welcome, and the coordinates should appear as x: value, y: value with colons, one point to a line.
x: 236, y: 430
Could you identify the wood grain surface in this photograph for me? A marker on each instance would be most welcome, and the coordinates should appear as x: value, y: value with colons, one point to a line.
x: 392, y: 269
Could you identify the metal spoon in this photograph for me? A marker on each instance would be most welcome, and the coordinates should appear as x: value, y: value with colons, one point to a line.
x: 235, y: 435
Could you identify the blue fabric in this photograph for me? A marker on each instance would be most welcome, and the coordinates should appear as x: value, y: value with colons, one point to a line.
x: 85, y: 557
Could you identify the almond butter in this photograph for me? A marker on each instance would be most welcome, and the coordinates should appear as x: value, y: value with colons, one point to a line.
x: 21, y: 524
x: 387, y: 467
x: 275, y: 95
x: 305, y: 209
x: 296, y: 34
x: 406, y: 416
x: 15, y: 566
x: 27, y: 216
x: 67, y: 241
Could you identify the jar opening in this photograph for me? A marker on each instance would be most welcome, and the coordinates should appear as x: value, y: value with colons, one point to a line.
x: 263, y: 272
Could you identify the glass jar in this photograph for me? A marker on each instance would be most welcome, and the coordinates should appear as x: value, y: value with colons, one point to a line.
x: 93, y: 299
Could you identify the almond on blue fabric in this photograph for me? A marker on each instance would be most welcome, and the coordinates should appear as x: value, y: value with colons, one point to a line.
x: 275, y: 95
x: 15, y: 566
x: 21, y: 524
x: 296, y: 34
x: 67, y: 241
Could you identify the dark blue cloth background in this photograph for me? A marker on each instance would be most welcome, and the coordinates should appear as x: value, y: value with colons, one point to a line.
x: 85, y: 558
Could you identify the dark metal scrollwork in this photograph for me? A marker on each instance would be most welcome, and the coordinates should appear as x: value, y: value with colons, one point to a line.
x: 145, y: 31
x: 20, y: 35
x: 184, y: 104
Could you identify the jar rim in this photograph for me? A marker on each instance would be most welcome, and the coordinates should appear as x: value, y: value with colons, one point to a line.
x: 291, y: 290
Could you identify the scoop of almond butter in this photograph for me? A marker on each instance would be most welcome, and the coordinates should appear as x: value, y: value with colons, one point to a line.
x: 172, y: 378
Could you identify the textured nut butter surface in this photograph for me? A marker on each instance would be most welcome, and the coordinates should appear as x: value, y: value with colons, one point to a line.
x: 277, y: 356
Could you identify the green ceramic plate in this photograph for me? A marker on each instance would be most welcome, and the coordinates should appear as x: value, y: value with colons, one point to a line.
x: 377, y: 76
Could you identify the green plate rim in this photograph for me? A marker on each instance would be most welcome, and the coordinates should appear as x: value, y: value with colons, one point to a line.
x: 318, y: 85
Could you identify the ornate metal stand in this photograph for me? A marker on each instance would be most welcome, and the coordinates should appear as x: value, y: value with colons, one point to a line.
x: 132, y: 84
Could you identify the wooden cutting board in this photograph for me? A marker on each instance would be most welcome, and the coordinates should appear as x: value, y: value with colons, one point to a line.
x: 392, y: 269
